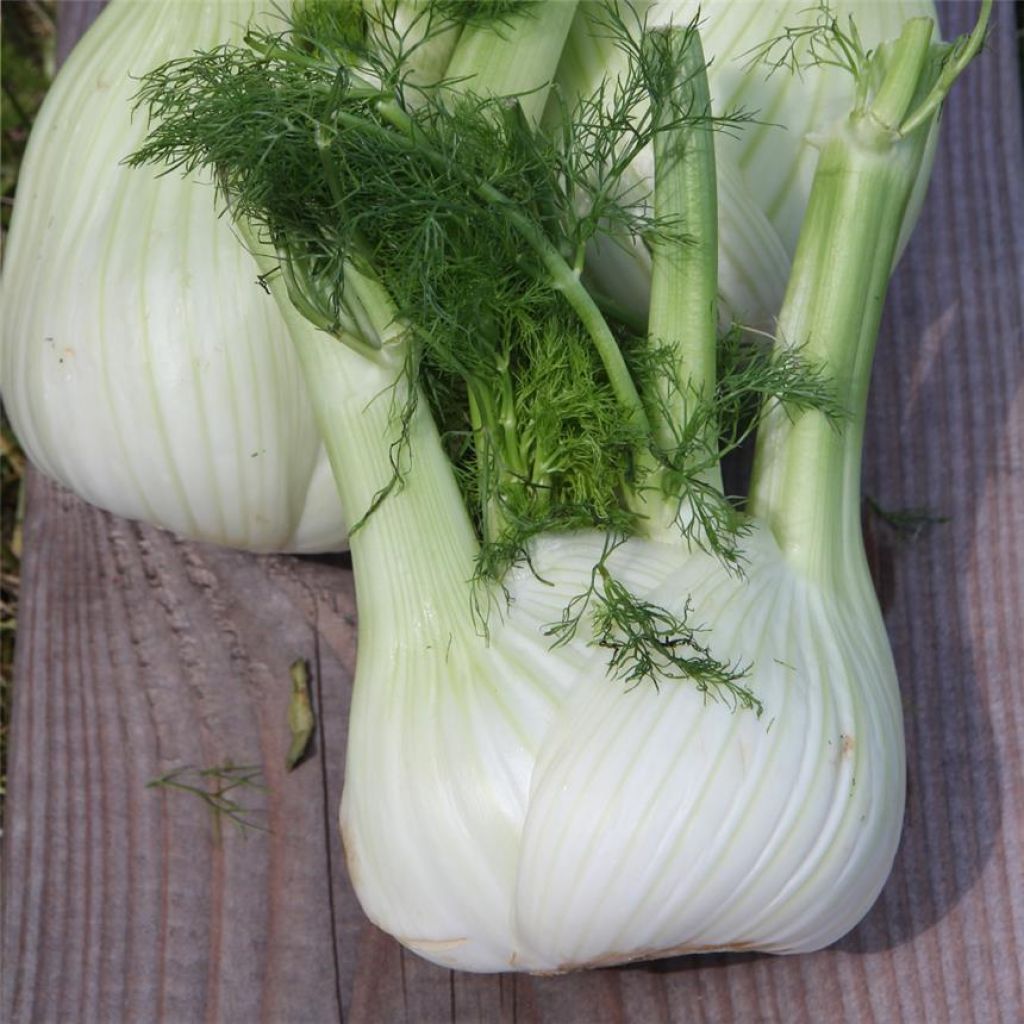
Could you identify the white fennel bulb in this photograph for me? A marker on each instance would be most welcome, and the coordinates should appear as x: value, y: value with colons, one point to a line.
x: 563, y: 821
x: 142, y: 365
x: 506, y: 808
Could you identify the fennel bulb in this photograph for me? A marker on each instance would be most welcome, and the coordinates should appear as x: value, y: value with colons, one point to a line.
x: 120, y: 368
x: 600, y: 713
x: 140, y: 367
x: 505, y: 808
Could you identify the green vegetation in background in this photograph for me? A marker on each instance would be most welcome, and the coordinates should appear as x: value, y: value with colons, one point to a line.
x: 28, y: 48
x: 217, y: 787
x: 28, y: 37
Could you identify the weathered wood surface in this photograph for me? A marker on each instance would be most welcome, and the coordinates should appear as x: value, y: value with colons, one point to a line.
x: 139, y: 653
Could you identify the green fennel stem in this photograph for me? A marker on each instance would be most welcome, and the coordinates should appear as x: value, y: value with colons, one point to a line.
x: 806, y: 482
x: 684, y: 270
x: 421, y: 532
x: 965, y: 50
x: 358, y: 393
x: 414, y: 556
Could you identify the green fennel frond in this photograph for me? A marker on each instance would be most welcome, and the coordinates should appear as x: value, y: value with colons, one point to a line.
x: 336, y: 23
x: 606, y: 131
x: 488, y: 12
x: 821, y: 41
x: 216, y: 787
x: 650, y: 643
x: 402, y: 412
x: 908, y: 523
x: 647, y: 642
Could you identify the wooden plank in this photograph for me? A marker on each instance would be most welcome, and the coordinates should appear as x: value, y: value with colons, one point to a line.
x: 139, y: 653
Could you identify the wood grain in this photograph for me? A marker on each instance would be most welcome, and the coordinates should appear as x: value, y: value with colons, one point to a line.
x: 139, y: 653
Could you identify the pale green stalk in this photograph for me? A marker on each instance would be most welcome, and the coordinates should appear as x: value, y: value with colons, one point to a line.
x: 415, y: 554
x: 514, y: 56
x: 684, y: 271
x: 806, y: 483
x: 358, y: 392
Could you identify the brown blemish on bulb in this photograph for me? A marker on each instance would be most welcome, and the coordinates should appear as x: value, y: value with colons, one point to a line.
x: 351, y: 860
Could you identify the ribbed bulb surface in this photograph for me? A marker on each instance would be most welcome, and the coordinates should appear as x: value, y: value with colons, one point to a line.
x: 512, y: 808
